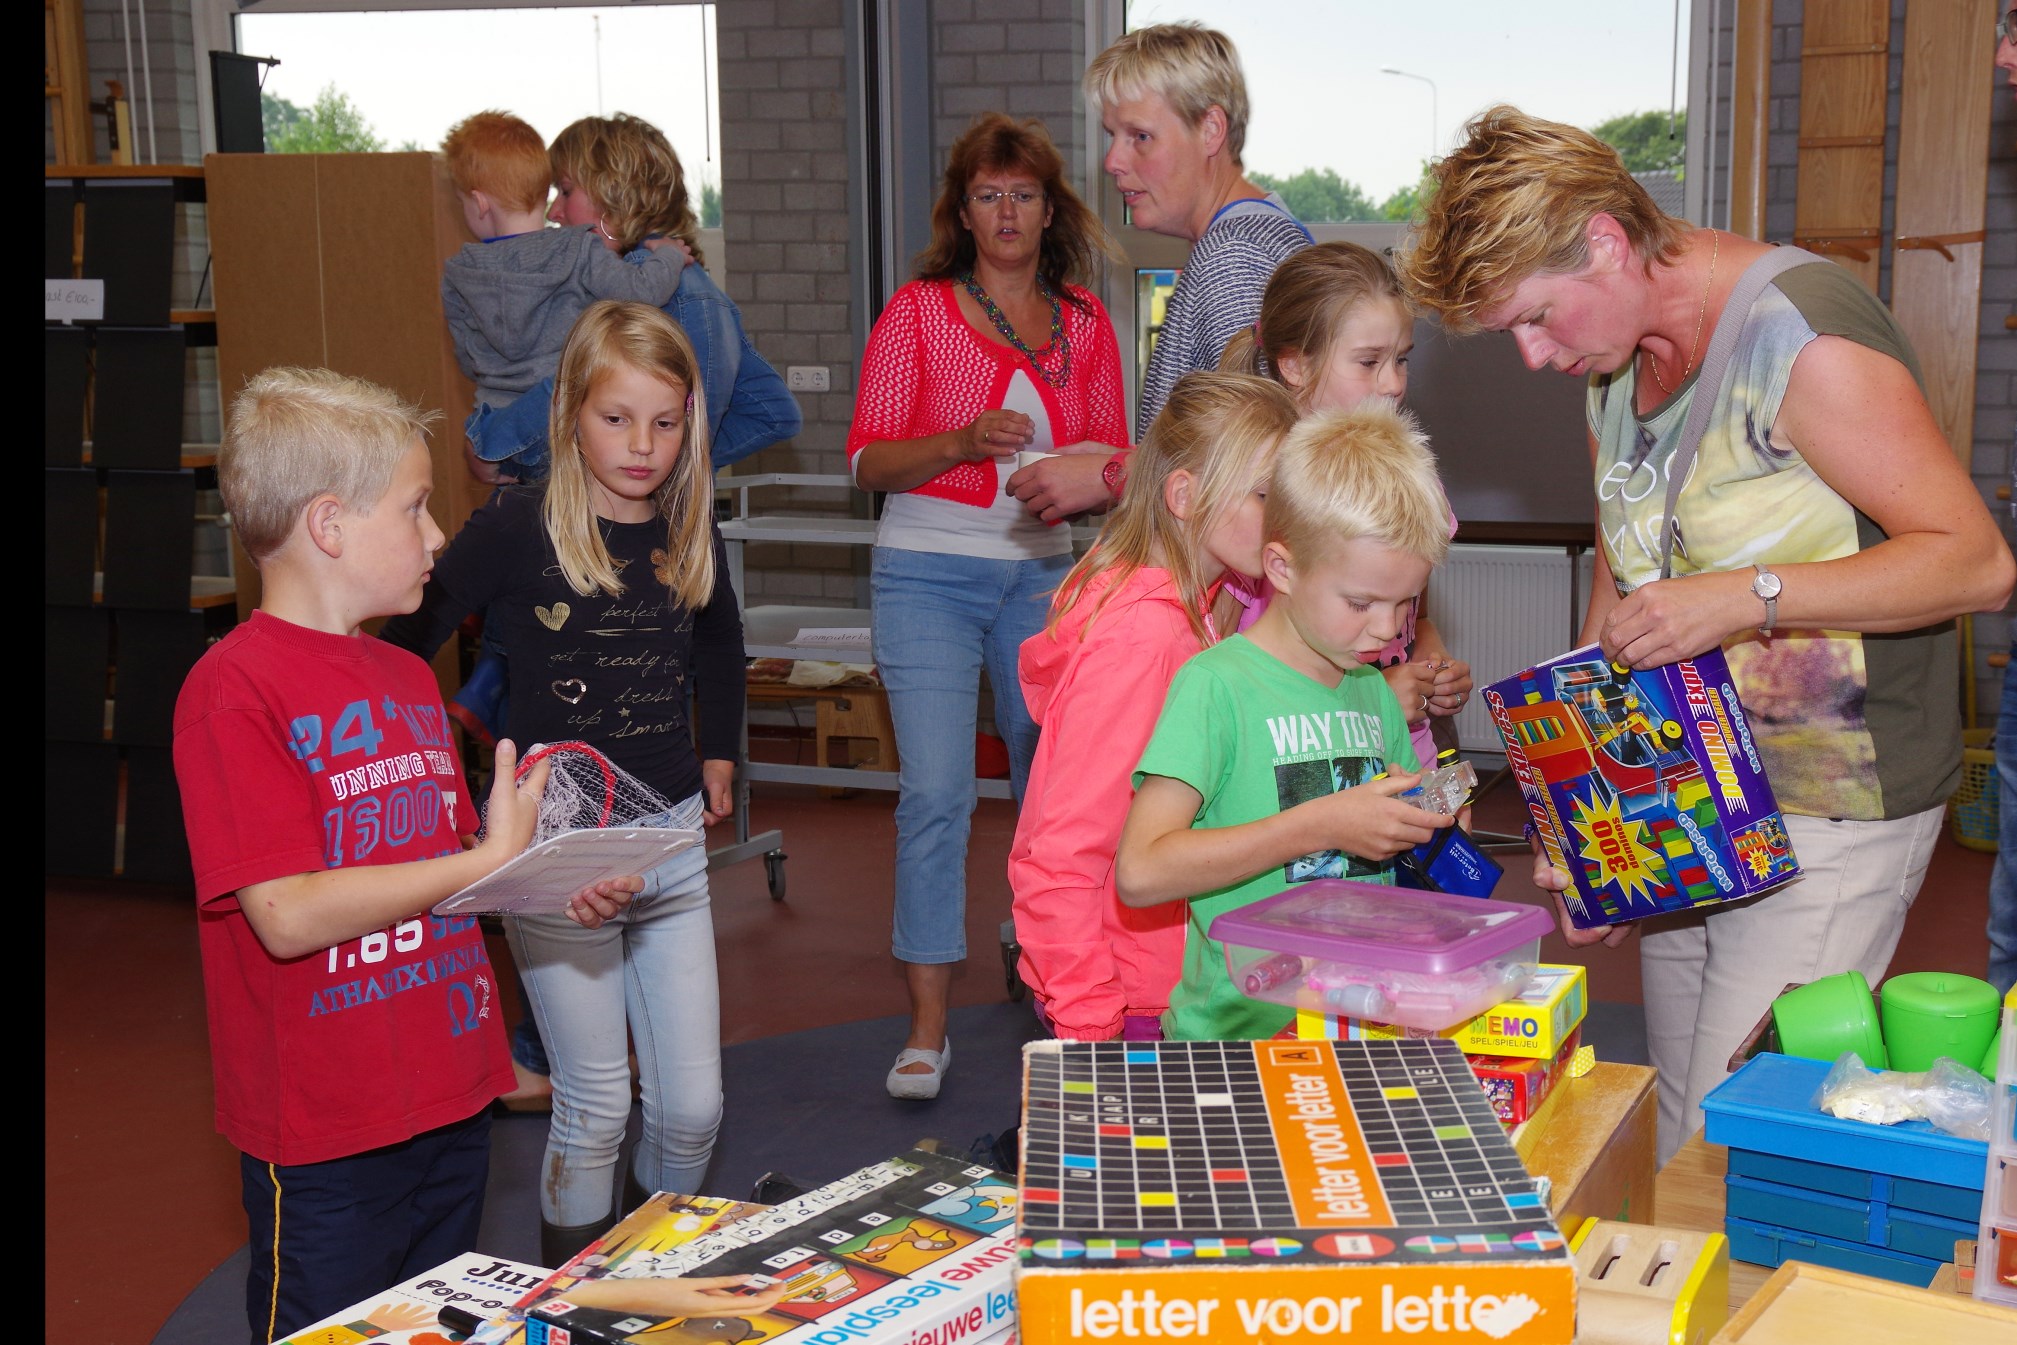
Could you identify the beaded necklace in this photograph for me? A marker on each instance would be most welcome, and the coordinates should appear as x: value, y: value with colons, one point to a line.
x: 1060, y: 345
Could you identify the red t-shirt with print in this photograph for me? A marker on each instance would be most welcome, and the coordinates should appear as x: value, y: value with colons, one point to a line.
x: 298, y: 751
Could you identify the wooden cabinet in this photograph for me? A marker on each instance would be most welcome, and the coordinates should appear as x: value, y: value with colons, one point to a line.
x: 334, y: 261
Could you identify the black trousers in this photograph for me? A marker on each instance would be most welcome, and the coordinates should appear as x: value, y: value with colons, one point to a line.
x: 327, y: 1235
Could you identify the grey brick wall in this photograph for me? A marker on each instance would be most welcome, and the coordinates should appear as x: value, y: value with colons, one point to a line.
x: 1022, y: 57
x: 786, y: 167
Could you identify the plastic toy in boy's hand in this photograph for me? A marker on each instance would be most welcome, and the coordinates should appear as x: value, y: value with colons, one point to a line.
x: 1445, y: 789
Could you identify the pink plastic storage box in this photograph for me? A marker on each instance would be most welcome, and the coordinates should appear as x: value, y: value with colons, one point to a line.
x: 1418, y: 959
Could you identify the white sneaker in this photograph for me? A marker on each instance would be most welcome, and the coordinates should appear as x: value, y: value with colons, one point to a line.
x: 920, y: 1085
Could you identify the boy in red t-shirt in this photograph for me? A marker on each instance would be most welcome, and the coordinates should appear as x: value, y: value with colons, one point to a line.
x: 355, y: 1038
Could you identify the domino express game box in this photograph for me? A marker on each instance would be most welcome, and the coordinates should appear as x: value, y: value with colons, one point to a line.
x: 1645, y: 786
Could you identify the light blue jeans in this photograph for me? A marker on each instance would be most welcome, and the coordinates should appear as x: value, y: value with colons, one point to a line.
x: 2003, y: 878
x: 938, y: 619
x: 650, y: 971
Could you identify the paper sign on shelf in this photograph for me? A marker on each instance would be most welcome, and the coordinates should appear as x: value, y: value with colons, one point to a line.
x: 831, y: 635
x: 73, y: 300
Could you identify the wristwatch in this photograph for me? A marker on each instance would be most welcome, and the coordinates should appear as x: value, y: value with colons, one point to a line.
x: 1115, y: 474
x: 1767, y: 587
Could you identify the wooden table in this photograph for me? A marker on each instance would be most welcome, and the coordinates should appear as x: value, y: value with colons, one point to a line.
x: 1689, y: 1194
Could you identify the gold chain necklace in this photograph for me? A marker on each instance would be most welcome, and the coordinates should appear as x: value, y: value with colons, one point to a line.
x: 1695, y: 346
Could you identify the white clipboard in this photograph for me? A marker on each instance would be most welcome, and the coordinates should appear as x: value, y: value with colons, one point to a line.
x: 541, y: 879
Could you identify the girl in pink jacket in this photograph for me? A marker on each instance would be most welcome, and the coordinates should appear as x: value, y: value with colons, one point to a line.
x: 1129, y: 613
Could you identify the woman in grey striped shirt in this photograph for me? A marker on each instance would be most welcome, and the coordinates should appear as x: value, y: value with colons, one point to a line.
x: 1174, y: 105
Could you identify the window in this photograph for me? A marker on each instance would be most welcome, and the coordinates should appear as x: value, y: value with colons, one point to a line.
x: 395, y: 79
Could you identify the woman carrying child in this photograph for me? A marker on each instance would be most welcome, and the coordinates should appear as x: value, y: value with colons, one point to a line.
x: 1334, y: 330
x: 620, y: 178
x: 995, y: 348
x: 620, y: 182
x: 1131, y: 611
x: 610, y: 584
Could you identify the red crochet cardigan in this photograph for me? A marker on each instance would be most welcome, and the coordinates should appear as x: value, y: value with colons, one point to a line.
x: 926, y: 371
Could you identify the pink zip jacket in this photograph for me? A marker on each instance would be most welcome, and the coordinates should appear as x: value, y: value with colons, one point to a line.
x: 1091, y: 960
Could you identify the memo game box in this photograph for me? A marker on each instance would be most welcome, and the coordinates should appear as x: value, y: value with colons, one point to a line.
x: 1645, y: 786
x: 1278, y: 1190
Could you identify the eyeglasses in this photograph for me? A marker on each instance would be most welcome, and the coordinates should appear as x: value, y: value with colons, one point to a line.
x: 2006, y: 26
x: 987, y: 200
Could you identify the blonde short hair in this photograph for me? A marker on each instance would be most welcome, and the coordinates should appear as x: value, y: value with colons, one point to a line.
x: 1221, y: 428
x: 295, y: 434
x: 1363, y: 473
x: 1309, y: 298
x: 610, y: 335
x: 1515, y: 200
x: 1187, y: 65
x: 502, y: 155
x: 631, y: 172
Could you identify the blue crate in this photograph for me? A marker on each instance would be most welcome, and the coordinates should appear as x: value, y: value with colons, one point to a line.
x: 1791, y: 1207
x: 1870, y: 1222
x: 1767, y: 1106
x: 1855, y: 1183
x: 1767, y: 1245
x: 1950, y: 1202
x: 1925, y: 1234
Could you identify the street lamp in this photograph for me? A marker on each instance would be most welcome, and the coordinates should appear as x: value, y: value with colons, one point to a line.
x: 1389, y: 70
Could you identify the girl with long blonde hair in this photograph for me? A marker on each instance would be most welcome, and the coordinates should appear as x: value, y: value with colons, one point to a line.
x: 1336, y: 329
x: 610, y: 584
x: 1129, y: 613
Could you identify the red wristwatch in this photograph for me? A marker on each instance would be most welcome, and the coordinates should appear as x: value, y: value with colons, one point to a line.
x: 1115, y: 474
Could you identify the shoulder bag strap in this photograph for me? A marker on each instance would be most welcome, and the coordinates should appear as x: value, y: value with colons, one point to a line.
x: 1709, y: 379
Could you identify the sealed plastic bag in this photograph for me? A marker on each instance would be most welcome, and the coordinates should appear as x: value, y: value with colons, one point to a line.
x: 1954, y: 1098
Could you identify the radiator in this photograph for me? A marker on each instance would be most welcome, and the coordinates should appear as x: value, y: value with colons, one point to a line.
x: 1501, y: 609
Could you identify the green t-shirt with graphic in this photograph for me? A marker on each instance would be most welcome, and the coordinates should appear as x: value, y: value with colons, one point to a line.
x: 1253, y: 736
x: 1849, y: 725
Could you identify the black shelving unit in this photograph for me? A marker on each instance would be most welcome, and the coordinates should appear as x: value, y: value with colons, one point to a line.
x: 124, y: 618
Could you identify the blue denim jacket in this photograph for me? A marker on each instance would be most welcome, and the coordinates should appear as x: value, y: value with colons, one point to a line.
x: 748, y: 405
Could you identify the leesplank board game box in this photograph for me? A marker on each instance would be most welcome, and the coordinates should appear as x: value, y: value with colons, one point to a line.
x: 1277, y: 1191
x: 634, y: 1246
x: 1645, y: 786
x: 410, y: 1313
x: 917, y: 1248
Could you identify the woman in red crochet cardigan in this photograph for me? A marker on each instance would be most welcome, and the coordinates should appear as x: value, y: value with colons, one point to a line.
x: 992, y: 354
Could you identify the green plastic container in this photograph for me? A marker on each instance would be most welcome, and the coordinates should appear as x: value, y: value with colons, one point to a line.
x: 1928, y: 1014
x: 1822, y: 1019
x: 1987, y: 1068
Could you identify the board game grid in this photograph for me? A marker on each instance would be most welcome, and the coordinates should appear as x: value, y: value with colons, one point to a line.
x: 1166, y: 1151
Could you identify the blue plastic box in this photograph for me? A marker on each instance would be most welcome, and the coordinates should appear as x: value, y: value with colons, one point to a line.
x: 1768, y: 1106
x: 1949, y: 1202
x: 1870, y: 1222
x: 1769, y: 1245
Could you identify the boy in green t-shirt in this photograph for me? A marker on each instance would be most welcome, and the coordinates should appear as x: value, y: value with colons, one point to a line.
x: 1280, y: 750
